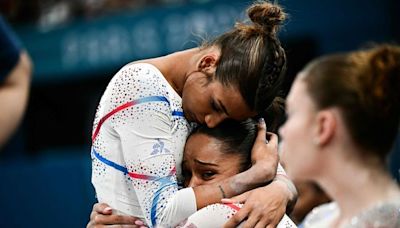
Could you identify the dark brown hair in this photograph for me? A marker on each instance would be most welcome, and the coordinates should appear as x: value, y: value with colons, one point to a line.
x: 235, y: 138
x: 365, y: 85
x: 252, y: 57
x: 238, y: 137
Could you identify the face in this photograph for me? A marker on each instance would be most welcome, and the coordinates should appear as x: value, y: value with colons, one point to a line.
x: 208, y: 102
x: 203, y: 163
x: 298, y: 150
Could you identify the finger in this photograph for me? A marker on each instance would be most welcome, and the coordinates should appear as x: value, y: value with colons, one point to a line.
x: 105, y: 212
x: 262, y: 223
x: 102, y: 208
x: 261, y: 124
x: 92, y: 215
x: 262, y: 130
x: 252, y: 220
x: 228, y: 201
x: 270, y: 222
x: 272, y: 138
x: 114, y: 220
x: 236, y: 199
x: 237, y: 218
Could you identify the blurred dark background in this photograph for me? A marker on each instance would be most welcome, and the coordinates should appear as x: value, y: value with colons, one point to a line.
x: 78, y: 45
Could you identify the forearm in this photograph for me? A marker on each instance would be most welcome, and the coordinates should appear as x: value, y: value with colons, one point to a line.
x: 264, y: 158
x: 258, y: 175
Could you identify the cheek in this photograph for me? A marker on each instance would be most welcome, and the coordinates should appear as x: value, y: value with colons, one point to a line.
x: 190, y: 99
x: 296, y: 150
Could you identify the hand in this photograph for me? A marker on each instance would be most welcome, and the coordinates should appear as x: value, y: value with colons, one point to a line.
x: 102, y: 216
x: 263, y: 149
x: 264, y: 155
x: 263, y: 207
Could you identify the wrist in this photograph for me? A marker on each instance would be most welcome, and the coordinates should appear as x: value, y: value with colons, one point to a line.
x: 282, y: 186
x: 256, y: 176
x: 265, y: 170
x: 287, y: 187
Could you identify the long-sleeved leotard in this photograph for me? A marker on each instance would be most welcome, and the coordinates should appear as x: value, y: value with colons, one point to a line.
x: 138, y: 138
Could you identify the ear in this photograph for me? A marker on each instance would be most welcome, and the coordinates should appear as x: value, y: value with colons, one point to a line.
x: 208, y: 63
x: 326, y: 127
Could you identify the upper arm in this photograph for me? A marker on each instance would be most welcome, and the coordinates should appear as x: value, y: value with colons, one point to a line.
x: 146, y: 145
x: 14, y: 92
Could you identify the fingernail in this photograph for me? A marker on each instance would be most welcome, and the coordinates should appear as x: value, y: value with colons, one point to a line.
x: 139, y: 223
x: 107, y: 209
x: 261, y: 121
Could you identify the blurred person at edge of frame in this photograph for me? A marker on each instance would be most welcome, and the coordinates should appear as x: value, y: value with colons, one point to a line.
x: 15, y: 77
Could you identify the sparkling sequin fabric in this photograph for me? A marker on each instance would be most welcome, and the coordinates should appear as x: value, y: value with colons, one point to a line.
x: 382, y: 215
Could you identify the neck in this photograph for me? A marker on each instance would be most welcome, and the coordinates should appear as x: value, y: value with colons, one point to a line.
x: 177, y: 66
x: 356, y: 185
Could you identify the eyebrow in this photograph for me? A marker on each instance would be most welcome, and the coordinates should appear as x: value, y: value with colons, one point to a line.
x: 204, y: 163
x: 223, y: 107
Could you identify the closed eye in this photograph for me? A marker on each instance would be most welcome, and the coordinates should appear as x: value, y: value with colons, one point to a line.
x: 215, y: 107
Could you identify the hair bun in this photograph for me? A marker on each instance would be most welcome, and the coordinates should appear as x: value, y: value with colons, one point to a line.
x: 266, y: 15
x: 385, y: 65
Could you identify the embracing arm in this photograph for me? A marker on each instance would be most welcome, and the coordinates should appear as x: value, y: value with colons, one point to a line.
x: 168, y: 206
x: 265, y: 206
x: 264, y: 165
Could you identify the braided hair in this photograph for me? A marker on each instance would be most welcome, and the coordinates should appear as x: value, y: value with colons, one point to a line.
x: 252, y: 58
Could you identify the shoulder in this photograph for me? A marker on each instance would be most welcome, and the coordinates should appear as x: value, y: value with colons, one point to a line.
x: 140, y: 76
x: 140, y: 69
x: 137, y: 80
x: 321, y: 215
x: 386, y: 214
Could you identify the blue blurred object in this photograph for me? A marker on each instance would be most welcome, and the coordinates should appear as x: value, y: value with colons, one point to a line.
x: 10, y: 48
x: 50, y: 191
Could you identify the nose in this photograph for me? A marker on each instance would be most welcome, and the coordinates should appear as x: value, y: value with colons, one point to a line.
x: 213, y: 120
x: 195, y: 181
